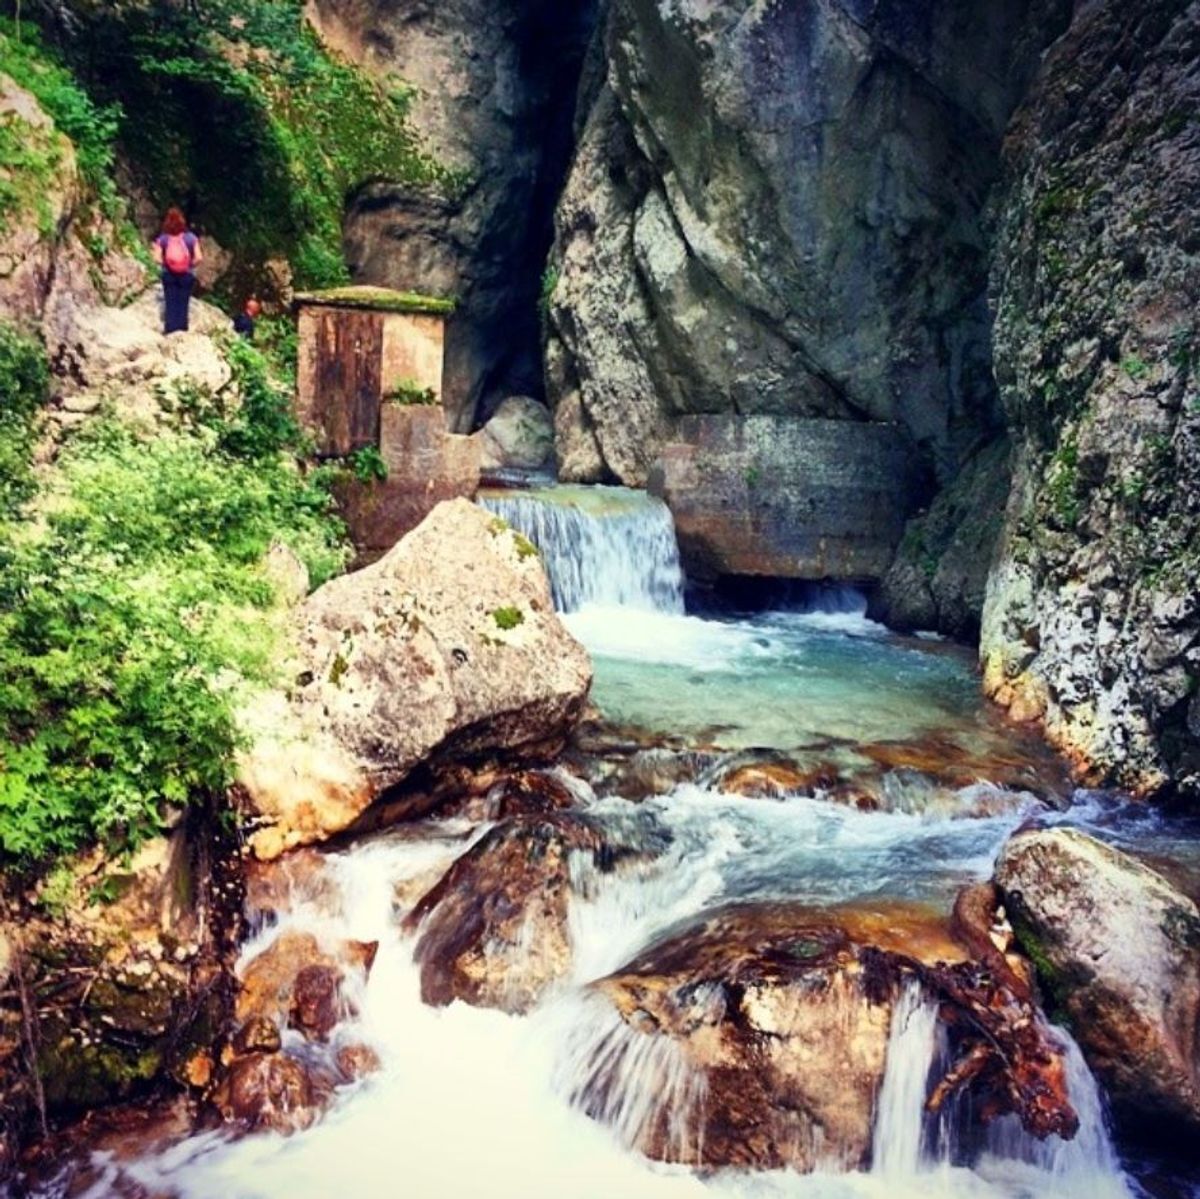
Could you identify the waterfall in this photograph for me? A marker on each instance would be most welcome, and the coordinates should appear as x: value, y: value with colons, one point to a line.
x: 608, y: 546
x: 1086, y: 1167
x: 900, y: 1116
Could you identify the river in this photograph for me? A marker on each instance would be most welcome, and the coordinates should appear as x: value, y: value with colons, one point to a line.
x: 473, y: 1102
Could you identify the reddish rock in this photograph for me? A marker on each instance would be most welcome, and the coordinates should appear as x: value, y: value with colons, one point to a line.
x: 270, y: 1091
x: 257, y: 1035
x: 316, y: 1001
x: 495, y: 926
x: 773, y: 1024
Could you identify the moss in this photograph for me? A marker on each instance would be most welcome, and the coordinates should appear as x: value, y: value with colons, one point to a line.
x: 497, y: 525
x: 508, y: 618
x: 408, y: 393
x: 525, y: 547
x: 76, y: 1075
x: 338, y: 670
x: 377, y: 299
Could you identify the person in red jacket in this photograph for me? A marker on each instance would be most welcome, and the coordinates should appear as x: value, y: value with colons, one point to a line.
x: 176, y: 250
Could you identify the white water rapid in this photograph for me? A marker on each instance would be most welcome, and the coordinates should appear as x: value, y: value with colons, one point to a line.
x: 471, y: 1102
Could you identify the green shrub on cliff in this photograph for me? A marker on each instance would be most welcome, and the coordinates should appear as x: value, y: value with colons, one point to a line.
x: 137, y: 608
x: 23, y: 380
x: 236, y: 107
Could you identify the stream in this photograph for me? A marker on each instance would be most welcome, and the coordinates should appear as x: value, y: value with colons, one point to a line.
x: 473, y: 1102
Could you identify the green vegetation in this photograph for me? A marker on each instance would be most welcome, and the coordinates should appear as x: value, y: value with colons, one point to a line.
x: 1062, y: 483
x: 525, y: 547
x: 1135, y: 367
x: 23, y: 382
x: 136, y: 609
x: 368, y: 465
x: 235, y: 106
x: 409, y: 393
x: 508, y: 618
x: 92, y: 127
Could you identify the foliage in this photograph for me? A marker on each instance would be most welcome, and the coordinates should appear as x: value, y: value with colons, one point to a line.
x: 368, y: 465
x: 508, y: 618
x: 23, y: 382
x: 91, y: 127
x: 1062, y: 483
x: 409, y: 393
x: 137, y: 609
x: 235, y: 107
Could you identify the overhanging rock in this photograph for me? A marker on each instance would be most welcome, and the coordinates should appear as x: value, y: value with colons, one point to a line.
x: 788, y: 498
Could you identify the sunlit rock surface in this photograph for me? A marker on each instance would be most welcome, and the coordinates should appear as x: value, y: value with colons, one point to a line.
x: 449, y: 645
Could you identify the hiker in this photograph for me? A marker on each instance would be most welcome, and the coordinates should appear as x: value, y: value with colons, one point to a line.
x: 243, y: 323
x: 177, y: 250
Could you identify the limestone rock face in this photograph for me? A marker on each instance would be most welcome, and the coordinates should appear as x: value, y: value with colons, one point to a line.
x: 449, y: 645
x: 938, y: 579
x: 768, y: 495
x: 1092, y: 620
x: 1118, y: 949
x: 494, y: 93
x: 756, y: 190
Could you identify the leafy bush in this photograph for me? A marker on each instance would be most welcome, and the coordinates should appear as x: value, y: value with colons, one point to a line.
x: 130, y: 619
x: 23, y: 382
x: 91, y: 127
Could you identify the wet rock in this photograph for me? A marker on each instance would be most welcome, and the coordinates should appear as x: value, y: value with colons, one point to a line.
x: 317, y: 1004
x: 446, y: 649
x: 299, y: 878
x: 357, y: 1061
x: 493, y: 931
x: 271, y: 1091
x: 258, y: 1035
x: 1117, y: 950
x: 757, y: 1037
x: 759, y: 775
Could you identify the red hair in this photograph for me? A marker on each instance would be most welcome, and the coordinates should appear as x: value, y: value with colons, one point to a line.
x: 174, y: 222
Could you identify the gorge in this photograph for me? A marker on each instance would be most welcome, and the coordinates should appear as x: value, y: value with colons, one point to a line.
x: 780, y: 780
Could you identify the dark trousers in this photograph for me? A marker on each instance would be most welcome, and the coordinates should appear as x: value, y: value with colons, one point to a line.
x: 177, y: 292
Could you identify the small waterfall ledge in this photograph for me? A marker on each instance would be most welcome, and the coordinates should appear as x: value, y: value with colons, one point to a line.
x: 602, y: 546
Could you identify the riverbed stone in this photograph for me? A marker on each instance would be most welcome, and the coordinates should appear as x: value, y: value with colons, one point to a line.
x: 493, y: 930
x: 1118, y: 952
x: 774, y: 1029
x: 447, y: 648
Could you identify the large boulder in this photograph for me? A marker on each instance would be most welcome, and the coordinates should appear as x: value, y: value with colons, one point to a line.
x: 1118, y: 952
x: 446, y: 647
x: 1091, y: 625
x: 757, y: 1037
x: 519, y: 434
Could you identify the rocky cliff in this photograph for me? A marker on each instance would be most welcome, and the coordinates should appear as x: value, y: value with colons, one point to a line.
x: 1092, y: 619
x: 777, y: 209
x: 493, y: 95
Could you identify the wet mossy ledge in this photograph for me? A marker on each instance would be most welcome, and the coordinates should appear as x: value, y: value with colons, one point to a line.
x: 376, y: 299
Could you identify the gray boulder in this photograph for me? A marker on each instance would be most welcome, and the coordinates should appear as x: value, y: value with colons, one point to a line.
x: 448, y: 645
x: 1118, y: 951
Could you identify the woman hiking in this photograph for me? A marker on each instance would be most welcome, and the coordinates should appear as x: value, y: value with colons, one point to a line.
x: 177, y: 251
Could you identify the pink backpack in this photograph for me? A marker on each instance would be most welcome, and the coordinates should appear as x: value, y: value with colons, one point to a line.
x: 177, y: 254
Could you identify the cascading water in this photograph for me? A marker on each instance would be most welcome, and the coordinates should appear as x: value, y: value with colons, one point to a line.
x: 607, y: 546
x: 556, y: 1104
